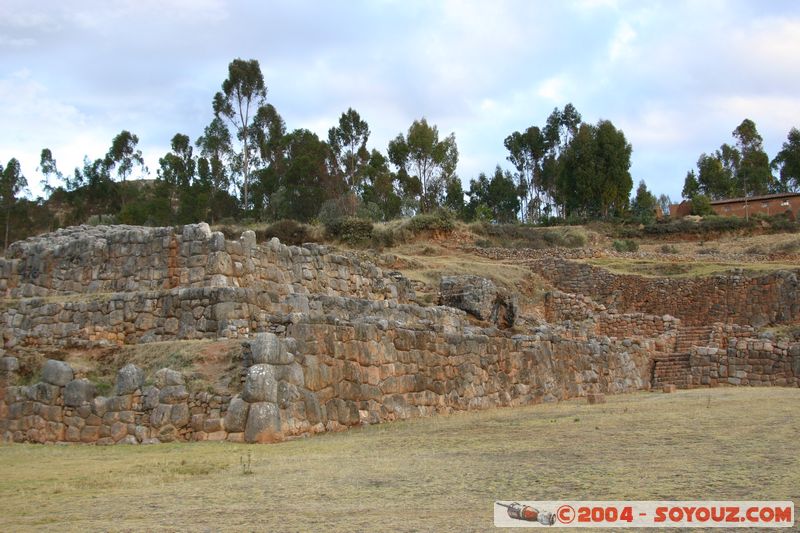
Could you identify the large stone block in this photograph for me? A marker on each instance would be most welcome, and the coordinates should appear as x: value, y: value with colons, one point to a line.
x: 57, y: 372
x: 479, y: 297
x: 129, y: 378
x: 261, y: 384
x: 263, y: 423
x: 78, y: 391
x: 173, y: 394
x: 9, y: 364
x: 196, y: 232
x: 167, y: 377
x: 236, y: 417
x: 44, y: 392
x: 267, y: 348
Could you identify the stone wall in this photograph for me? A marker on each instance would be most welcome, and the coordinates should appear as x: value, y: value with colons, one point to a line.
x: 755, y: 362
x: 772, y: 298
x: 110, y: 259
x: 561, y: 307
x: 326, y: 376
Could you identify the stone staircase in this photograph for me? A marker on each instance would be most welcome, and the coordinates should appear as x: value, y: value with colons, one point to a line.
x: 674, y: 368
x: 689, y: 336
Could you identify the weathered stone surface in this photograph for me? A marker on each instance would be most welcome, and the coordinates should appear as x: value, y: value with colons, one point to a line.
x: 129, y: 378
x: 166, y: 377
x: 78, y: 392
x: 263, y: 423
x: 173, y: 394
x: 268, y: 348
x: 57, y: 372
x: 479, y: 297
x: 236, y: 416
x: 44, y: 393
x: 9, y: 364
x: 261, y: 384
x: 179, y: 416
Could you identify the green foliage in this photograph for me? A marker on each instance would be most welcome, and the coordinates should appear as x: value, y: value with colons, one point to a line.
x: 734, y: 171
x: 12, y: 182
x: 243, y: 93
x: 354, y: 231
x: 524, y: 236
x: 787, y: 162
x: 595, y: 178
x: 440, y: 220
x: 701, y: 205
x: 626, y: 245
x: 381, y: 187
x: 348, y: 143
x: 338, y: 208
x: 423, y: 158
x: 124, y: 155
x: 644, y: 205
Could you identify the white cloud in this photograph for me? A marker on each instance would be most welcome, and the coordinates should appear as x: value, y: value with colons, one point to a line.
x: 621, y: 42
x: 554, y: 89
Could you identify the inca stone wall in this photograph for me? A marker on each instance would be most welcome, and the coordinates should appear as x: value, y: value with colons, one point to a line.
x: 109, y: 259
x: 742, y: 299
x: 326, y: 376
x: 330, y: 341
x: 755, y: 362
x: 561, y: 307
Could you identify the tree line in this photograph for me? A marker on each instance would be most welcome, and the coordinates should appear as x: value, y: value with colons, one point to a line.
x: 246, y: 165
x: 743, y: 169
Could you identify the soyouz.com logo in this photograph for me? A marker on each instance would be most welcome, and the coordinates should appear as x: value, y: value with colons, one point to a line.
x: 618, y: 514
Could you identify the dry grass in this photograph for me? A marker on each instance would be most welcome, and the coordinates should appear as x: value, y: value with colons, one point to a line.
x: 439, y: 474
x: 687, y: 269
x: 779, y: 243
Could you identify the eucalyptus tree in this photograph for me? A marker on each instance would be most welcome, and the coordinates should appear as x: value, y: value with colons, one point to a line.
x: 348, y: 142
x: 423, y: 158
x: 12, y: 182
x: 243, y: 93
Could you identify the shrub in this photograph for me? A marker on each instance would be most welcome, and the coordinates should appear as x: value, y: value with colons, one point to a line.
x: 626, y: 245
x: 440, y: 220
x: 350, y: 230
x: 668, y: 249
x: 701, y: 205
x: 287, y: 231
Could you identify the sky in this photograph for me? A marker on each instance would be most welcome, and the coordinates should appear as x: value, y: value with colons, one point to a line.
x: 677, y: 76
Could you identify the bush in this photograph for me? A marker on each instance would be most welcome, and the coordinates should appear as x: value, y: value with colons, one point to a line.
x: 668, y: 249
x: 521, y: 236
x: 350, y: 230
x: 701, y: 205
x: 287, y: 231
x: 440, y: 220
x: 626, y: 245
x: 335, y: 209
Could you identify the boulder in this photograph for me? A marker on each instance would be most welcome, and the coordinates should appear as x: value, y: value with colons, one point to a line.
x: 57, y: 372
x: 479, y: 297
x: 196, y: 232
x: 9, y: 364
x: 78, y: 391
x: 129, y: 378
x: 261, y: 384
x: 167, y: 377
x: 263, y: 423
x: 236, y: 417
x: 267, y: 348
x: 173, y: 394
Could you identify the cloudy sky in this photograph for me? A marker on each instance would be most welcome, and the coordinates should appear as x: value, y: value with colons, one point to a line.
x: 676, y: 77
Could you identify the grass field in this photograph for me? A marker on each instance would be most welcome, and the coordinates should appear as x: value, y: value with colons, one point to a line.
x: 438, y: 474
